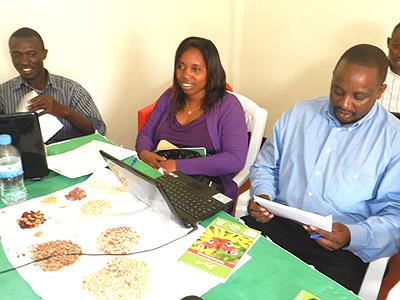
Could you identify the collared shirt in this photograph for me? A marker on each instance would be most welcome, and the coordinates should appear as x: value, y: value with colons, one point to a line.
x: 65, y: 91
x: 390, y: 98
x: 351, y: 172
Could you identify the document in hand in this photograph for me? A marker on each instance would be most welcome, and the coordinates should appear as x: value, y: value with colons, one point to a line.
x: 164, y: 145
x: 296, y: 214
x: 221, y: 247
x: 49, y: 124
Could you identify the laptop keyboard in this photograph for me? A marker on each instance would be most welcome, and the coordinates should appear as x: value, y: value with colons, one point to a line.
x: 192, y: 203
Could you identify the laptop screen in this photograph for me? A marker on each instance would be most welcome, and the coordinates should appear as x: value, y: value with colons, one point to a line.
x: 24, y: 129
x: 141, y: 186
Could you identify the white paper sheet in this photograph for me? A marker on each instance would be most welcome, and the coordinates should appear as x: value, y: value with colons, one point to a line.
x: 49, y: 124
x: 296, y: 214
x: 169, y: 279
x: 86, y: 159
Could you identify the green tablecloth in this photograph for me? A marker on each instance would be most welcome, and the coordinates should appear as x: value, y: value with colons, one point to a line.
x: 272, y: 273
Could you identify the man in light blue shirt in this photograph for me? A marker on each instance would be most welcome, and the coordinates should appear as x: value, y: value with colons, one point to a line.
x: 339, y: 156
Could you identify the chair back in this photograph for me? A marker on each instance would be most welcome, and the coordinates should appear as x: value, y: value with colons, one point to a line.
x: 256, y: 119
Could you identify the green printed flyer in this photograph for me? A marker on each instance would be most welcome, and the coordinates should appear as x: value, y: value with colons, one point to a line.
x: 220, y: 247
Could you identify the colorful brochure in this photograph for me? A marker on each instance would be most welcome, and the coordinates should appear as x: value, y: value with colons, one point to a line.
x: 220, y: 247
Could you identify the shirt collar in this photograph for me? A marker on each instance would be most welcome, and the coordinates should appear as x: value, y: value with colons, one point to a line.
x: 19, y: 82
x: 328, y: 110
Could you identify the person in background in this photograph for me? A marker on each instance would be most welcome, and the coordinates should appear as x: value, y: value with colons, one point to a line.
x: 339, y: 156
x: 391, y: 97
x: 58, y: 96
x: 198, y: 112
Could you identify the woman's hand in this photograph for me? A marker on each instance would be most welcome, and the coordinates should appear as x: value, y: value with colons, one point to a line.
x: 152, y: 159
x: 168, y: 165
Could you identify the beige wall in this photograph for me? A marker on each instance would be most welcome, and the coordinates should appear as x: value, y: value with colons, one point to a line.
x: 122, y: 51
x: 291, y: 47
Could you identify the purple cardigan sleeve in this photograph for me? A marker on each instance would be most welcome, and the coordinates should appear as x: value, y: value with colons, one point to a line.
x: 226, y: 125
x: 146, y: 137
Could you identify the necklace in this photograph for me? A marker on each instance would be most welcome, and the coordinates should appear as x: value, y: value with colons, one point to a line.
x: 192, y: 110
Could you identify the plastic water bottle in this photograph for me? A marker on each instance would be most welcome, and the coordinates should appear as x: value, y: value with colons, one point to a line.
x: 12, y: 187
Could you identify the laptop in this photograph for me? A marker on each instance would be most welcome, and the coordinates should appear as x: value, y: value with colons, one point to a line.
x: 175, y: 195
x: 24, y: 129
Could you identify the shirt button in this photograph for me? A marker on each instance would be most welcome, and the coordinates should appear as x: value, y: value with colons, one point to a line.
x: 309, y: 194
x: 355, y: 176
x: 338, y: 129
x: 328, y: 150
x: 317, y: 173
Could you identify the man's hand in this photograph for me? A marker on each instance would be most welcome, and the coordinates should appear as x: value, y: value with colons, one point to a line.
x: 331, y: 241
x: 168, y: 165
x: 48, y: 104
x: 259, y: 213
x: 152, y: 159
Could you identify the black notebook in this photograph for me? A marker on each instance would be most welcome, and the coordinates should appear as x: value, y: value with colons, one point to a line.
x: 183, y: 198
x: 24, y: 129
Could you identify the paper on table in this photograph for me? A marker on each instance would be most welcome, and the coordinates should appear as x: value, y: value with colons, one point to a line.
x: 49, y: 124
x: 296, y: 214
x: 86, y: 159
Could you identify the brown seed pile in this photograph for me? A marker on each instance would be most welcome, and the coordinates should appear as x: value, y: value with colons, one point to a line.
x: 123, y: 278
x: 76, y: 194
x: 57, y: 248
x: 117, y: 240
x: 31, y: 219
x: 95, y: 207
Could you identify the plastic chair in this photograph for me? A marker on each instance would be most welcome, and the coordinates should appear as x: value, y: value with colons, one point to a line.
x: 144, y: 113
x: 256, y: 119
x: 373, y: 278
x: 394, y: 293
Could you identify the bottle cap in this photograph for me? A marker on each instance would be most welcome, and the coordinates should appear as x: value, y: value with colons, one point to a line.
x: 5, y: 139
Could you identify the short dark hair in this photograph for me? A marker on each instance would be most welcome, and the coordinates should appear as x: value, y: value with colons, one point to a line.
x: 26, y: 32
x: 215, y: 86
x: 368, y: 56
x: 397, y: 27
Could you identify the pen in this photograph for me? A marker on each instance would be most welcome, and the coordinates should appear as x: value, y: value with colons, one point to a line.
x: 135, y: 159
x: 315, y: 236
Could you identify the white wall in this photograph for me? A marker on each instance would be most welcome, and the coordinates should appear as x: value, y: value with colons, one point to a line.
x: 122, y: 51
x: 291, y: 47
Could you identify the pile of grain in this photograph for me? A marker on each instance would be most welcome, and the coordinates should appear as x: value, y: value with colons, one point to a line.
x: 95, y: 207
x: 56, y: 248
x: 31, y: 219
x: 76, y: 194
x: 50, y: 200
x: 117, y: 240
x: 123, y: 278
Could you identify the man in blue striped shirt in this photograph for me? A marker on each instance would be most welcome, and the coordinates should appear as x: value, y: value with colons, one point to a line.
x: 339, y: 156
x: 58, y: 96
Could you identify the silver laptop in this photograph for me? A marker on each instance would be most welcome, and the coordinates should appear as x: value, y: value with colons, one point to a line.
x: 175, y: 195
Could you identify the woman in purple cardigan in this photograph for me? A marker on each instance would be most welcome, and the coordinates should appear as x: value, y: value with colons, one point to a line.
x: 198, y: 112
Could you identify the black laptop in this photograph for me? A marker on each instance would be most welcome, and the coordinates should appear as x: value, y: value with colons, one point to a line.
x: 24, y: 129
x: 185, y: 199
